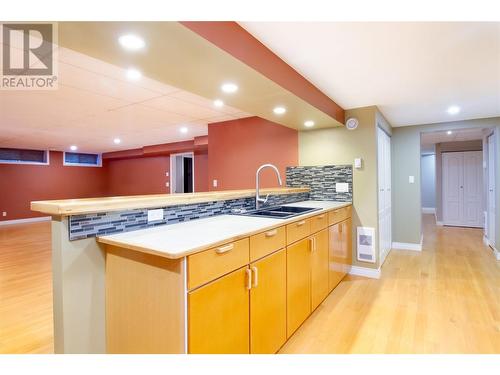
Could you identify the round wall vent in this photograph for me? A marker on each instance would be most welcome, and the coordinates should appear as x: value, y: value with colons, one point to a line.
x: 351, y: 123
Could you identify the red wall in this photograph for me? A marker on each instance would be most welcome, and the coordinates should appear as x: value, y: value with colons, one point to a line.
x: 21, y: 184
x: 238, y: 147
x: 200, y: 171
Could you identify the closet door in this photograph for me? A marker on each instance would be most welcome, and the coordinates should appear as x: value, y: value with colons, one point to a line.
x: 453, y: 188
x: 384, y: 193
x: 491, y: 190
x: 473, y: 189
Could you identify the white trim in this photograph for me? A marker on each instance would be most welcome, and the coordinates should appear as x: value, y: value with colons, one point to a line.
x: 25, y: 221
x: 172, y: 175
x: 497, y: 253
x: 429, y: 210
x: 408, y: 246
x: 439, y: 224
x: 372, y: 273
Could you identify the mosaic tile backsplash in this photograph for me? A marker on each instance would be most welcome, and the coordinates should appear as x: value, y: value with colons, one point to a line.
x: 92, y: 225
x: 322, y: 180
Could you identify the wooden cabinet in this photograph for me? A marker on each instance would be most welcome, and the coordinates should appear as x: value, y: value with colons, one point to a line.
x: 268, y: 304
x: 218, y: 315
x: 267, y: 242
x: 319, y: 268
x: 298, y: 230
x: 340, y: 251
x: 298, y: 263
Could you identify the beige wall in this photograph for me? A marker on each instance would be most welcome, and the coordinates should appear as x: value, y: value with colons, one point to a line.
x: 342, y: 146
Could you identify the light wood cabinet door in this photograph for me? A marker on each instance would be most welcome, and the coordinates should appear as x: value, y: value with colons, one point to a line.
x: 298, y: 260
x: 335, y: 267
x: 218, y: 315
x: 268, y: 304
x: 319, y: 268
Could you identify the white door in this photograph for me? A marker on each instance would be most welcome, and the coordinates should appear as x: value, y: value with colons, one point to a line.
x: 462, y: 188
x: 491, y: 190
x: 384, y: 195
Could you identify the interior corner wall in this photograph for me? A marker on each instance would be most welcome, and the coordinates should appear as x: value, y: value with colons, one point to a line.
x: 428, y: 165
x: 406, y: 207
x: 342, y: 146
x: 238, y: 147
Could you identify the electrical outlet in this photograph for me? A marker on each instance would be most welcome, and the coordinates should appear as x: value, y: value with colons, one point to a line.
x: 166, y: 174
x: 4, y: 213
x: 167, y: 184
x: 214, y: 183
x: 155, y: 215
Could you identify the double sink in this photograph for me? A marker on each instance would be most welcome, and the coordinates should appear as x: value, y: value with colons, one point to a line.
x: 279, y: 212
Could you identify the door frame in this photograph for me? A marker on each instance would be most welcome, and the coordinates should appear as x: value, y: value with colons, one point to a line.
x: 491, y: 170
x: 173, y: 169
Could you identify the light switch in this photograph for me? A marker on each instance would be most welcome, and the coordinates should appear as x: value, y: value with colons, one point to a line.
x: 155, y: 215
x: 214, y: 183
x: 4, y: 213
x: 357, y: 163
x: 411, y: 179
x: 166, y: 174
x: 167, y: 184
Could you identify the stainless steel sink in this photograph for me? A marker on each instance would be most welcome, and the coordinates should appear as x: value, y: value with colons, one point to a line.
x: 278, y: 212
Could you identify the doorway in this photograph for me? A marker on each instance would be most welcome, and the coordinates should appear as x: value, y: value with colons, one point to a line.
x: 182, y: 173
x: 490, y: 193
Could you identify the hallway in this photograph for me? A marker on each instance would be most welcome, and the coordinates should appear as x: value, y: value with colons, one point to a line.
x: 445, y: 299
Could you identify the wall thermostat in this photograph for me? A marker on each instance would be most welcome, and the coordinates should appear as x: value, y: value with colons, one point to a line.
x: 351, y: 123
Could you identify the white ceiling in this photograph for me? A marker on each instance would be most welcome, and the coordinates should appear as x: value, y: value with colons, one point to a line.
x: 95, y: 103
x: 431, y: 138
x: 412, y: 71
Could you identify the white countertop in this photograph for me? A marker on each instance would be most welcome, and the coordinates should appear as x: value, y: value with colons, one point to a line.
x: 175, y: 241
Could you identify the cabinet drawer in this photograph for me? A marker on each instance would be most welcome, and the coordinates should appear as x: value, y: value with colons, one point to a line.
x: 298, y: 230
x: 319, y: 222
x: 213, y: 263
x: 339, y: 215
x: 267, y: 242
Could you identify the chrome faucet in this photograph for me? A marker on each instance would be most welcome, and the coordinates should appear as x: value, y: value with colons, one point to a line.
x: 258, y: 199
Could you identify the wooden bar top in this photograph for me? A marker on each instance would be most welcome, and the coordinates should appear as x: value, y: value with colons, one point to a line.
x: 69, y: 207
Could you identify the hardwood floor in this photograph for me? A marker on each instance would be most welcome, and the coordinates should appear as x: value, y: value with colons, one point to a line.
x: 445, y: 299
x: 25, y: 289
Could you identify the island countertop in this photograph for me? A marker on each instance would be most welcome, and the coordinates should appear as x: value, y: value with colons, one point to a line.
x: 68, y: 207
x: 176, y: 241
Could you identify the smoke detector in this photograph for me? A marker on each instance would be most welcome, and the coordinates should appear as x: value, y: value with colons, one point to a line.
x: 351, y: 123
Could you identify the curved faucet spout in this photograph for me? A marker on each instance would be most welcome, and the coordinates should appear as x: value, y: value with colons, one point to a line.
x: 258, y: 199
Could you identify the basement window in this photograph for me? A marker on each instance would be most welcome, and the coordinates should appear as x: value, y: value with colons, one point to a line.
x: 82, y: 160
x: 23, y: 156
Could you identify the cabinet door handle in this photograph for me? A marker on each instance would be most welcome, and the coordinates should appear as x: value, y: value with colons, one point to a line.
x: 249, y: 278
x: 272, y: 233
x: 313, y: 244
x: 255, y: 276
x: 224, y: 249
x: 300, y: 223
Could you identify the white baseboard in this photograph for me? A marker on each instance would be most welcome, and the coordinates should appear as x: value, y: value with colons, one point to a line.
x: 372, y: 273
x: 408, y: 246
x: 428, y: 210
x: 25, y: 221
x: 439, y: 223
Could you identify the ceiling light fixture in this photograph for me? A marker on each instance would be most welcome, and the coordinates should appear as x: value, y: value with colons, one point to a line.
x: 133, y: 74
x: 309, y: 124
x: 218, y: 103
x: 449, y: 132
x: 73, y: 148
x: 229, y: 88
x: 117, y: 141
x: 279, y: 110
x: 453, y: 110
x: 183, y: 130
x: 131, y: 42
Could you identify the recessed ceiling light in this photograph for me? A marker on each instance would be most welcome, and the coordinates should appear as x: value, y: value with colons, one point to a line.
x: 133, y: 74
x: 229, y: 87
x: 279, y: 110
x: 218, y: 103
x: 453, y: 110
x: 183, y: 130
x: 117, y: 141
x: 449, y: 132
x: 309, y: 124
x: 73, y: 148
x: 131, y: 42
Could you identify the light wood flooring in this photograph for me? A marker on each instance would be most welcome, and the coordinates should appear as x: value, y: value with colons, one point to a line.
x: 445, y: 299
